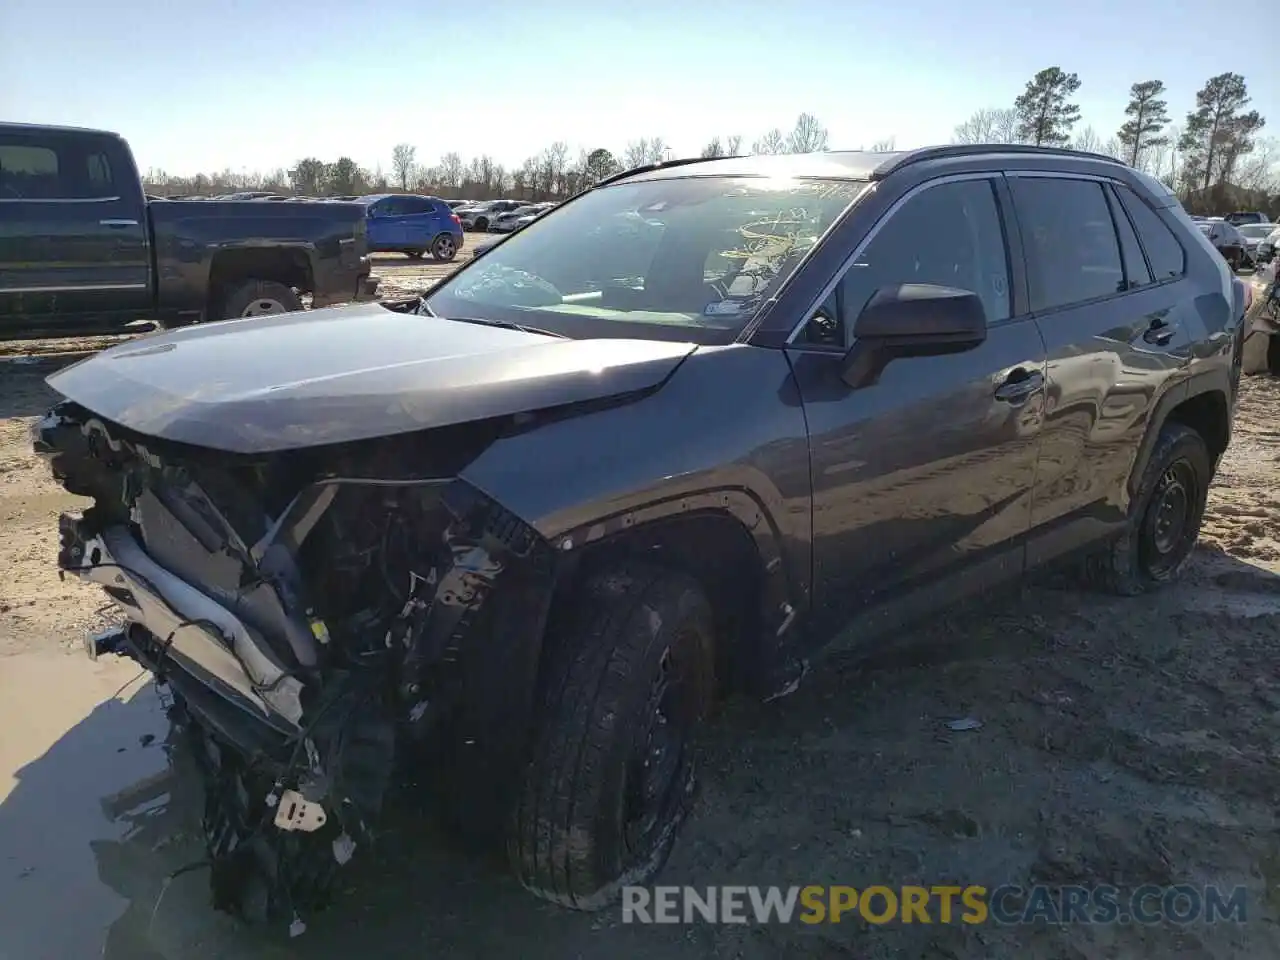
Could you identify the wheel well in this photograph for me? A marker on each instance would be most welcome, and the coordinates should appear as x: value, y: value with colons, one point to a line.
x: 1206, y: 414
x: 715, y: 549
x: 281, y: 264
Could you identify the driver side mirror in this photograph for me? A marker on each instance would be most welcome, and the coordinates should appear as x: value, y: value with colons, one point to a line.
x: 912, y: 320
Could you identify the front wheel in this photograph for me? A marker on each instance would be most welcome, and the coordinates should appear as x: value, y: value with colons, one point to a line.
x: 611, y: 772
x: 1166, y: 513
x: 445, y: 248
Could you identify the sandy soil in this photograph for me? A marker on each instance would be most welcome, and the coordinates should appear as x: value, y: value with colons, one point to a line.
x: 1122, y: 741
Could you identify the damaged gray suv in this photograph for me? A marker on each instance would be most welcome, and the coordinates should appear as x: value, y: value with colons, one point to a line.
x: 510, y: 541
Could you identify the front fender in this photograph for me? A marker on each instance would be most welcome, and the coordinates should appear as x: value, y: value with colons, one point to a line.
x: 726, y: 433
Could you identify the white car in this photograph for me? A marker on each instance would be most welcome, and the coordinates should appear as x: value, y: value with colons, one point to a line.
x: 1255, y: 234
x: 481, y: 215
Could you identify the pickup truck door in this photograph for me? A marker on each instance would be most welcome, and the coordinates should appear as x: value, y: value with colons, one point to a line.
x: 74, y: 243
x: 922, y: 480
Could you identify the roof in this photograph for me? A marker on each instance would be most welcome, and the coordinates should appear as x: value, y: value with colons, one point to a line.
x: 53, y: 128
x: 843, y: 164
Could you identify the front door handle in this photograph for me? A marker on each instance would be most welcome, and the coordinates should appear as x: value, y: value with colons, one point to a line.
x: 117, y: 223
x: 1160, y: 332
x: 1020, y: 384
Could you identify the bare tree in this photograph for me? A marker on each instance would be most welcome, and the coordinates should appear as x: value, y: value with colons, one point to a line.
x: 733, y: 144
x: 1088, y: 141
x: 887, y: 145
x: 554, y: 164
x: 1261, y: 172
x: 644, y: 151
x: 402, y: 161
x: 713, y: 149
x: 451, y: 171
x: 771, y: 142
x: 807, y: 136
x: 979, y: 128
x: 988, y: 125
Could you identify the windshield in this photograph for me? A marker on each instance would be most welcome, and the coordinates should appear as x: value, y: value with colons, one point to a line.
x: 692, y: 258
x: 1256, y: 231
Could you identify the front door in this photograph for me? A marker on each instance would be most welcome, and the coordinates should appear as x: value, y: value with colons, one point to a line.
x: 922, y: 481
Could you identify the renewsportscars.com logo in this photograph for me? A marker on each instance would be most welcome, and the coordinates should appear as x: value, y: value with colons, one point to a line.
x: 878, y: 904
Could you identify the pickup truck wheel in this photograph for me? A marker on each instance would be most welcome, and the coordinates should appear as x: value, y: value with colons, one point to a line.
x: 256, y: 298
x: 444, y: 249
x: 611, y: 771
x: 1165, y: 518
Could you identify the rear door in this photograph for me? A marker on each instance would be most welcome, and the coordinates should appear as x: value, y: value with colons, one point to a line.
x: 1116, y: 330
x: 74, y: 245
x: 922, y: 481
x: 418, y: 220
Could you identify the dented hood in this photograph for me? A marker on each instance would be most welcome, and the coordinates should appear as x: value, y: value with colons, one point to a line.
x: 347, y: 373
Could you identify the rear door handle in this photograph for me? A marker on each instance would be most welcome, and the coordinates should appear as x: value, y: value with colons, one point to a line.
x: 117, y: 223
x: 1160, y: 332
x: 1020, y: 384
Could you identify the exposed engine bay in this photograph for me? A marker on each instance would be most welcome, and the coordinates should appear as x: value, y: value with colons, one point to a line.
x: 320, y: 616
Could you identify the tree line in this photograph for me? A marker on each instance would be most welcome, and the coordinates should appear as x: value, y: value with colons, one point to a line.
x: 1215, y: 159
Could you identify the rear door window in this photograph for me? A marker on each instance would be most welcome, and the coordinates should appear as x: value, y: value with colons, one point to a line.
x: 1073, y: 253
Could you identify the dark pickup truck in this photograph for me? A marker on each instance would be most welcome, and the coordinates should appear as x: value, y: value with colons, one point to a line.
x: 82, y: 250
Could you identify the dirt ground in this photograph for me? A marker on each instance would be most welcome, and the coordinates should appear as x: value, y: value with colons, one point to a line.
x: 1121, y: 741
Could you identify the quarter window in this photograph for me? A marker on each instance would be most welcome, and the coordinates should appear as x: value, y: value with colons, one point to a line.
x: 1135, y: 265
x: 1168, y: 259
x: 948, y: 235
x: 1073, y: 254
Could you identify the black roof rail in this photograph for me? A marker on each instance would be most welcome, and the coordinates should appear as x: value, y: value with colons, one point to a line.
x: 908, y: 157
x: 662, y: 165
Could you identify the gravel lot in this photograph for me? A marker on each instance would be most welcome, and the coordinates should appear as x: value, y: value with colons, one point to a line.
x: 1122, y: 741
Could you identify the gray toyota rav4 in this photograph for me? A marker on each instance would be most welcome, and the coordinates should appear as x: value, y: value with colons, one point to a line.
x: 511, y: 541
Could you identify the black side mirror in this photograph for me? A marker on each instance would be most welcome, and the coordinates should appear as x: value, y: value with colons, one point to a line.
x: 912, y: 320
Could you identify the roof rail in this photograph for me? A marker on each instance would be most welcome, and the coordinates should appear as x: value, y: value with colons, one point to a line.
x: 908, y: 157
x: 662, y: 165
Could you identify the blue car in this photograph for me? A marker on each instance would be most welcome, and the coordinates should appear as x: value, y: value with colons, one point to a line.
x: 412, y: 225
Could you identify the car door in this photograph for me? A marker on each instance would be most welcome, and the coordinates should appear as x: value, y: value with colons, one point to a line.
x: 1115, y: 332
x: 922, y: 480
x: 418, y: 220
x: 74, y: 247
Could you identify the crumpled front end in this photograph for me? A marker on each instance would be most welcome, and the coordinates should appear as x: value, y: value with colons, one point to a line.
x: 318, y: 615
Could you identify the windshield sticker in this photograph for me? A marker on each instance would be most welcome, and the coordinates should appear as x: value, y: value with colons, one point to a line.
x: 724, y: 308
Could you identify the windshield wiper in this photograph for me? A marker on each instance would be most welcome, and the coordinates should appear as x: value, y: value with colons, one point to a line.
x: 424, y: 310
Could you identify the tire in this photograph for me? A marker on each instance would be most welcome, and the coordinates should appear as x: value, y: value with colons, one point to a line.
x: 637, y: 634
x: 482, y: 224
x: 1148, y: 555
x: 445, y: 248
x: 414, y: 254
x: 258, y: 298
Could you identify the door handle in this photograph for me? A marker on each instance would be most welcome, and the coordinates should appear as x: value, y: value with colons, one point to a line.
x: 1160, y: 332
x: 1020, y: 384
x: 117, y: 223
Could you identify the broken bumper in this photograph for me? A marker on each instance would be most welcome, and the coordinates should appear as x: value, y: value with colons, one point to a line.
x: 181, y: 626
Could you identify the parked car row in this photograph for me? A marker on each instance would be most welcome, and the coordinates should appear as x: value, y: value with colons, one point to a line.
x: 499, y: 216
x: 1243, y: 243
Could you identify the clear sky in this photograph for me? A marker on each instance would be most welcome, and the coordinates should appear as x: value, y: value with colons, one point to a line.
x: 257, y: 84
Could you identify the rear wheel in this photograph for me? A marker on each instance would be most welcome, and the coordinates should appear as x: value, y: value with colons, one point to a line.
x: 482, y: 224
x: 611, y: 773
x: 1166, y: 513
x: 255, y: 298
x: 445, y: 248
